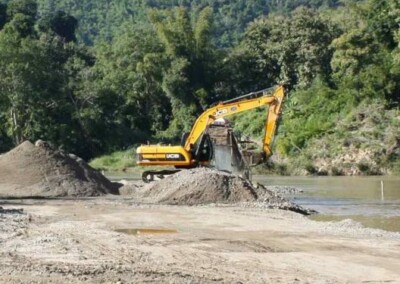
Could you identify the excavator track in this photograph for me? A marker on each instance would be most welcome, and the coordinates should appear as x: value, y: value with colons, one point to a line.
x: 148, y: 176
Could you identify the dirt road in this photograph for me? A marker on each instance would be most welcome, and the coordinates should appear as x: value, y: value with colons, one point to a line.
x: 70, y: 241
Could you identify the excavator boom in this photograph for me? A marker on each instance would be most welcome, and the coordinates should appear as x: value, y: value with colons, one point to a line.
x: 241, y: 104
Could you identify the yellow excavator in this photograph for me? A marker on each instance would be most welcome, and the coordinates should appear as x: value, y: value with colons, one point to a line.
x: 196, y: 147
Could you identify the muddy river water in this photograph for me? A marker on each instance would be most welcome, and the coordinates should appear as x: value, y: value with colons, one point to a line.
x: 372, y: 201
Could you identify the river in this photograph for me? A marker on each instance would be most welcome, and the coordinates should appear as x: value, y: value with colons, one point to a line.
x: 358, y: 198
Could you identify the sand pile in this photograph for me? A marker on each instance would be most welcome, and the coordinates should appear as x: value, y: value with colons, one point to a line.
x: 197, y: 186
x: 41, y: 171
x: 206, y: 186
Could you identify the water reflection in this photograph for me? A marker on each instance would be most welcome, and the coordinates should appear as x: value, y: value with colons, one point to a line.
x: 145, y: 231
x: 338, y: 198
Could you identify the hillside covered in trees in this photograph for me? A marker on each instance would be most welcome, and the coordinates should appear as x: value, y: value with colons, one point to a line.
x: 100, y: 76
x: 102, y: 18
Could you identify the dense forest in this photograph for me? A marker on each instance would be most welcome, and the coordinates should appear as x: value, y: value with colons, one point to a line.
x: 100, y: 76
x: 101, y: 19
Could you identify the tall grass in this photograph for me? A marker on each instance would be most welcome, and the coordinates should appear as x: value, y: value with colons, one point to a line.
x: 117, y: 161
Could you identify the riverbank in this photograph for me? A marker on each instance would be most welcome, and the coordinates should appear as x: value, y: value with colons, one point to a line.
x: 80, y: 240
x: 351, y: 162
x: 365, y: 142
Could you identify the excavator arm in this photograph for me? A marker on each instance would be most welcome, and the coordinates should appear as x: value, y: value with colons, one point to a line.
x: 272, y: 96
x: 187, y: 156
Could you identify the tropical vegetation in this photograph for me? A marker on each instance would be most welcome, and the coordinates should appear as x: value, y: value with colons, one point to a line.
x: 95, y: 77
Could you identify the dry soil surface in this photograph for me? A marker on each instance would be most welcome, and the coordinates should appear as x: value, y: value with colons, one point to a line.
x: 72, y: 241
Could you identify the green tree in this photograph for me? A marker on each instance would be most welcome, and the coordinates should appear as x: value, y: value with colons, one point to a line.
x: 61, y: 24
x: 364, y: 57
x: 22, y: 16
x: 192, y: 69
x: 3, y: 15
x: 29, y: 8
x: 29, y: 85
x: 34, y: 83
x: 384, y: 21
x: 130, y: 72
x: 292, y: 49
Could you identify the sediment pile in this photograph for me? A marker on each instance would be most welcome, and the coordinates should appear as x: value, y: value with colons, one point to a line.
x: 197, y: 186
x: 41, y: 171
x: 206, y: 186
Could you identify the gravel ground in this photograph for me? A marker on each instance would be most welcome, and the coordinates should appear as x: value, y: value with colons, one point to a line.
x: 76, y: 241
x: 221, y: 228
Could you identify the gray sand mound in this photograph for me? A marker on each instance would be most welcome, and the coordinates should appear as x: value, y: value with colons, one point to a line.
x: 206, y: 186
x: 40, y: 171
x: 198, y: 186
